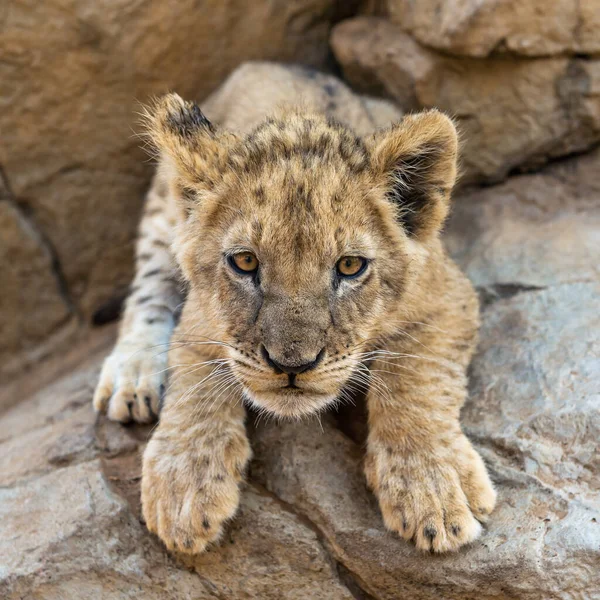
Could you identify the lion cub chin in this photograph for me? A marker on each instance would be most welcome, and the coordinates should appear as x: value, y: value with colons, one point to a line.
x: 313, y: 267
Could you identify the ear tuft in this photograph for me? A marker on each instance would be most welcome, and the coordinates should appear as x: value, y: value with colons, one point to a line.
x: 170, y: 119
x: 417, y: 159
x: 192, y: 152
x: 185, y: 118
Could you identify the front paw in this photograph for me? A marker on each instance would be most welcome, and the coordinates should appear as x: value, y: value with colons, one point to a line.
x: 189, y: 492
x: 435, y: 497
x: 132, y: 381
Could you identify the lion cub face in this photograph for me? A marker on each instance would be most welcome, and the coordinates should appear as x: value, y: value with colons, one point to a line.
x: 301, y: 242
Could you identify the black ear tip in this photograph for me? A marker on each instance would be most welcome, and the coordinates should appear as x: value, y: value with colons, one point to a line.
x: 196, y: 117
x: 184, y: 117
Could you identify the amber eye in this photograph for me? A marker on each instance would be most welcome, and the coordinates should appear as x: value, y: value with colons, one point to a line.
x: 351, y: 266
x: 244, y: 262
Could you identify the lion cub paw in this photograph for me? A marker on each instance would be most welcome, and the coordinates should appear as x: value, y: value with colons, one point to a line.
x: 436, y: 498
x: 132, y: 381
x: 188, y: 494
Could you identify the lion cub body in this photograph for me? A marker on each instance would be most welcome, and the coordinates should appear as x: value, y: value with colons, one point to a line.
x: 297, y: 191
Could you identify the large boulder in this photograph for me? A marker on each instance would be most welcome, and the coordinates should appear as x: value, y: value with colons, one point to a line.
x: 482, y: 27
x: 72, y: 74
x: 513, y: 113
x: 70, y: 525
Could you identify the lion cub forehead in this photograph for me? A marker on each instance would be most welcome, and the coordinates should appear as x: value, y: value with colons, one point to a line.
x: 302, y: 140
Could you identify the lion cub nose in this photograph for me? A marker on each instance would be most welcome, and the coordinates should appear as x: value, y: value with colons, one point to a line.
x: 294, y: 369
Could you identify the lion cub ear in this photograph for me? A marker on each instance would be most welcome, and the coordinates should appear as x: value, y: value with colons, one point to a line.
x: 192, y: 151
x: 417, y: 161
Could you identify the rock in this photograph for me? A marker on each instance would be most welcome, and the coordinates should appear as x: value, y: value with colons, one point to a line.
x: 30, y: 285
x: 512, y: 112
x: 258, y: 89
x: 482, y: 27
x: 72, y: 75
x: 533, y: 231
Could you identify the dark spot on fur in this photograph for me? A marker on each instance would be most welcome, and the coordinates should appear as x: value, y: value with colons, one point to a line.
x: 330, y: 89
x: 153, y: 211
x: 152, y: 320
x: 152, y: 273
x: 259, y: 193
x: 455, y: 529
x: 145, y: 256
x: 143, y: 300
x: 160, y: 243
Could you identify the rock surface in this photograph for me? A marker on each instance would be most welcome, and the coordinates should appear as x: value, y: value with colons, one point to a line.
x: 481, y: 27
x: 308, y: 528
x: 512, y: 112
x: 71, y: 76
x: 30, y: 284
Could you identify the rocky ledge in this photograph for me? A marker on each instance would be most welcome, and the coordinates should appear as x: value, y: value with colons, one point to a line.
x: 70, y: 523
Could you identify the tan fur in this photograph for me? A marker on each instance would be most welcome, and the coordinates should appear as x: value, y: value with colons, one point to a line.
x: 300, y: 191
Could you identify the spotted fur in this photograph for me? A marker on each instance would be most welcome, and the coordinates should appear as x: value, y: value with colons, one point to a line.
x: 299, y: 189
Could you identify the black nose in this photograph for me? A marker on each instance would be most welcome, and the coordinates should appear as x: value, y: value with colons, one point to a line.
x: 291, y: 369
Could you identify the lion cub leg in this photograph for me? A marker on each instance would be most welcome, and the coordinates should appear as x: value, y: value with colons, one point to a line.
x: 133, y: 375
x: 194, y: 463
x: 432, y: 486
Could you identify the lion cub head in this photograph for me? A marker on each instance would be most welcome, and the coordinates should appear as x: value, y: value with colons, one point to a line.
x: 303, y: 244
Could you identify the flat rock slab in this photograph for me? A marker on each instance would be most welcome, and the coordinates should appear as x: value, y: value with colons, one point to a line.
x: 70, y: 525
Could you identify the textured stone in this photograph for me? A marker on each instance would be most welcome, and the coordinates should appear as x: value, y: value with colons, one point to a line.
x: 512, y: 112
x: 480, y: 27
x: 29, y: 285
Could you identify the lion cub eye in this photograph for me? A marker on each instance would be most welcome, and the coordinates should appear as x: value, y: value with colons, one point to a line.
x: 351, y: 266
x: 244, y: 262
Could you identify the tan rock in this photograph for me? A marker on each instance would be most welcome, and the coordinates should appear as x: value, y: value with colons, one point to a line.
x: 480, y: 27
x: 512, y: 112
x: 32, y: 305
x: 261, y: 88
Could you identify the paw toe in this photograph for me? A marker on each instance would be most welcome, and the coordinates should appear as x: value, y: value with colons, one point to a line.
x: 121, y: 406
x: 430, y: 534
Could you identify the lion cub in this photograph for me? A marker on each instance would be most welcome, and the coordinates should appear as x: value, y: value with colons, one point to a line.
x: 313, y: 263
